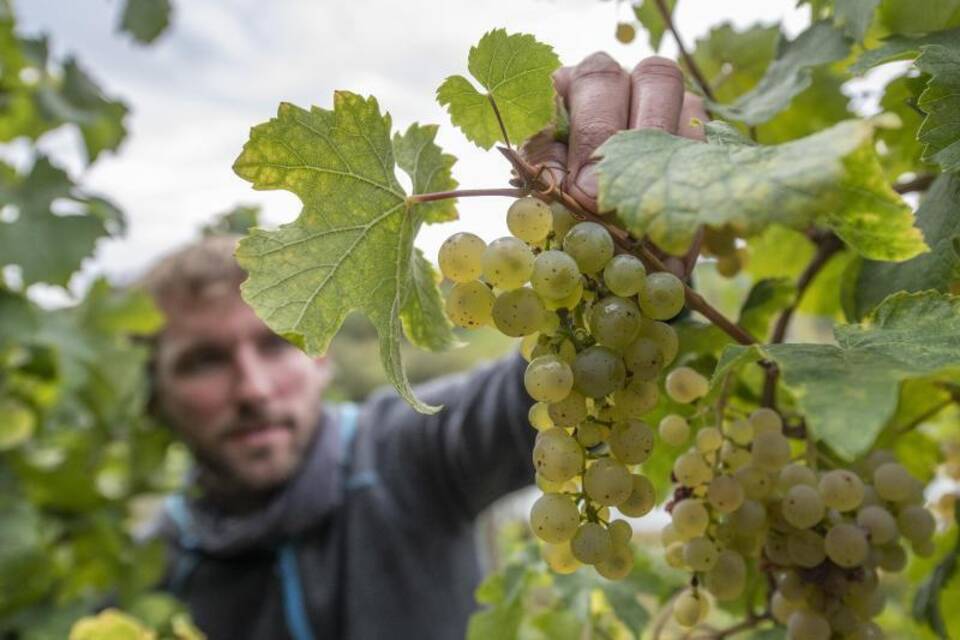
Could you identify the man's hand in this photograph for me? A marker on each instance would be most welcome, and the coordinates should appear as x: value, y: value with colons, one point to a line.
x: 602, y: 99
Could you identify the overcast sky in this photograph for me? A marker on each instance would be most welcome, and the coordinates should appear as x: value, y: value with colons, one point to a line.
x: 226, y: 64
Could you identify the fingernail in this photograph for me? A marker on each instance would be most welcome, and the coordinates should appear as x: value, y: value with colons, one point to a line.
x: 587, y: 180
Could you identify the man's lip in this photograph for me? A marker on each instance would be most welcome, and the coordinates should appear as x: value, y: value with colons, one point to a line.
x: 241, y: 432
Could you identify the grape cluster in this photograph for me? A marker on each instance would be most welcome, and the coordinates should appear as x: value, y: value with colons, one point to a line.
x: 596, y: 343
x: 721, y: 243
x: 824, y: 535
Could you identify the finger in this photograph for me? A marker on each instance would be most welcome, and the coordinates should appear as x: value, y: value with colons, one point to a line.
x: 598, y: 99
x: 656, y: 95
x: 561, y: 82
x: 692, y: 110
x: 544, y: 149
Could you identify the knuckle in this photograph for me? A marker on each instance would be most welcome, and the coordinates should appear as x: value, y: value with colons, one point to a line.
x: 597, y: 63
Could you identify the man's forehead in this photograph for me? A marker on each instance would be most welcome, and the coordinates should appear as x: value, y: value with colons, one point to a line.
x: 221, y: 318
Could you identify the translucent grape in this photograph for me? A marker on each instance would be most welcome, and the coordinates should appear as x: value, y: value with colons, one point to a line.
x: 756, y: 482
x: 879, y: 524
x: 643, y: 359
x: 916, y: 524
x: 591, y: 543
x: 642, y: 499
x: 674, y: 430
x: 802, y: 506
x: 841, y: 490
x: 892, y: 482
x: 548, y: 379
x: 725, y: 494
x: 470, y: 304
x: 668, y: 535
x: 764, y: 419
x: 776, y: 550
x: 607, y: 482
x: 691, y: 470
x: 624, y: 275
x: 614, y: 322
x: 620, y: 532
x: 734, y: 457
x: 631, y: 441
x: 598, y: 371
x: 846, y: 545
x: 557, y: 456
x: 791, y: 586
x: 664, y: 335
x: 782, y: 608
x: 662, y: 296
x: 563, y: 221
x: 529, y: 219
x: 806, y: 548
x: 590, y: 245
x: 740, y: 431
x: 555, y: 275
x: 750, y: 518
x: 719, y: 241
x: 635, y: 399
x: 684, y: 385
x: 518, y: 312
x: 570, y: 411
x: 673, y: 554
x: 771, y: 451
x: 590, y: 433
x: 507, y: 263
x: 560, y: 558
x: 700, y: 553
x: 569, y: 302
x: 709, y: 439
x: 728, y: 577
x: 794, y: 474
x: 690, y: 608
x: 554, y: 518
x: 805, y: 624
x: 539, y: 416
x: 460, y: 257
x: 690, y: 518
x: 892, y: 558
x: 729, y: 265
x: 618, y: 564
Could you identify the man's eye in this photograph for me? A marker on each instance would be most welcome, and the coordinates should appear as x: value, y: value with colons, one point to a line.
x: 273, y: 344
x: 201, y: 360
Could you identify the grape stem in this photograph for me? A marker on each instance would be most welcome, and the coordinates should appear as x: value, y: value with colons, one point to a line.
x: 464, y: 193
x: 690, y: 257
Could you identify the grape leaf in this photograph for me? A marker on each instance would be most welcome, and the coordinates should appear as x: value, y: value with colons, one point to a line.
x: 902, y: 151
x: 47, y: 247
x: 911, y: 16
x: 352, y: 245
x: 732, y: 61
x: 766, y: 298
x: 940, y: 100
x: 854, y: 16
x: 900, y: 47
x: 649, y: 16
x: 937, y: 218
x: 145, y: 20
x: 848, y: 392
x: 429, y: 169
x: 788, y: 75
x: 516, y: 72
x: 667, y: 186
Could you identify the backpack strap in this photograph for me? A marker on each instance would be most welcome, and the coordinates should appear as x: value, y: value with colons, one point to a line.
x: 176, y: 508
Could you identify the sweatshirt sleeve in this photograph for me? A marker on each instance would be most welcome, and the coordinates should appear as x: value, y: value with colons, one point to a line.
x: 458, y: 461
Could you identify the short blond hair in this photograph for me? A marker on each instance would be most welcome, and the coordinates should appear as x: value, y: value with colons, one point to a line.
x: 201, y: 270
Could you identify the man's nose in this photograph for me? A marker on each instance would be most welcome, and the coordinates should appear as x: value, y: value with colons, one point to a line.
x: 253, y: 380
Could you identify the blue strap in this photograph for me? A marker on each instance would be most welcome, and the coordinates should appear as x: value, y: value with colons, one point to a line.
x: 294, y: 608
x: 348, y: 431
x: 176, y: 508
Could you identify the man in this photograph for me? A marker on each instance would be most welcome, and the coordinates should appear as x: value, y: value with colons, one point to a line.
x: 315, y: 521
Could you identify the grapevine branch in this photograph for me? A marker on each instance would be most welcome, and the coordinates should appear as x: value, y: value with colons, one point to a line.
x: 687, y: 58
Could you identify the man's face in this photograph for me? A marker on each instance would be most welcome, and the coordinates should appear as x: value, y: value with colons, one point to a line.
x: 244, y: 400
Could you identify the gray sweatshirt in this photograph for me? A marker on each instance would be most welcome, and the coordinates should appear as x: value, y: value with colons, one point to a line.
x: 373, y: 538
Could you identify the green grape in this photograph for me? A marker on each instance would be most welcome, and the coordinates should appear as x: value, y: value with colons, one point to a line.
x: 843, y: 620
x: 624, y: 275
x: 460, y: 257
x: 673, y: 554
x: 756, y: 482
x: 620, y: 532
x: 507, y: 263
x: 668, y: 535
x: 548, y: 379
x: 614, y: 322
x: 590, y: 433
x: 794, y: 474
x: 631, y: 441
x: 776, y: 550
x: 607, y: 482
x: 690, y: 608
x: 892, y: 482
x: 791, y: 586
x: 739, y: 431
x: 691, y: 470
x: 570, y: 411
x: 763, y: 420
x: 750, y: 518
x: 878, y: 523
x: 560, y: 558
x: 554, y: 518
x: 570, y: 302
x: 771, y: 451
x: 591, y: 543
x: 846, y: 545
x: 555, y: 275
x: 805, y: 624
x: 556, y: 455
x: 690, y: 518
x: 802, y: 506
x: 470, y: 304
x: 728, y: 577
x: 563, y: 221
x: 841, y: 490
x: 662, y: 296
x: 674, y: 430
x: 643, y: 358
x: 729, y: 266
x: 709, y: 439
x: 684, y: 385
x: 782, y: 608
x: 529, y: 219
x: 551, y: 324
x: 734, y: 457
x: 664, y: 335
x: 518, y: 312
x: 598, y: 371
x: 642, y: 499
x: 916, y: 524
x: 700, y: 553
x: 893, y: 558
x: 725, y: 494
x: 590, y: 245
x: 719, y: 241
x: 635, y: 399
x: 618, y: 564
x: 806, y: 548
x: 539, y: 416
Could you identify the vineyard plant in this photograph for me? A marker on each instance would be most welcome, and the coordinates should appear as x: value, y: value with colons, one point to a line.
x: 656, y: 319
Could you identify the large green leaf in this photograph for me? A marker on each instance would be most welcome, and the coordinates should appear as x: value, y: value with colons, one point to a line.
x: 649, y: 17
x: 901, y: 47
x: 854, y: 16
x: 848, y: 392
x: 733, y: 61
x: 145, y: 20
x: 938, y: 218
x: 429, y: 168
x: 352, y: 245
x: 919, y: 16
x: 902, y: 151
x: 667, y: 186
x: 516, y: 72
x: 47, y: 247
x: 788, y: 75
x: 940, y: 100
